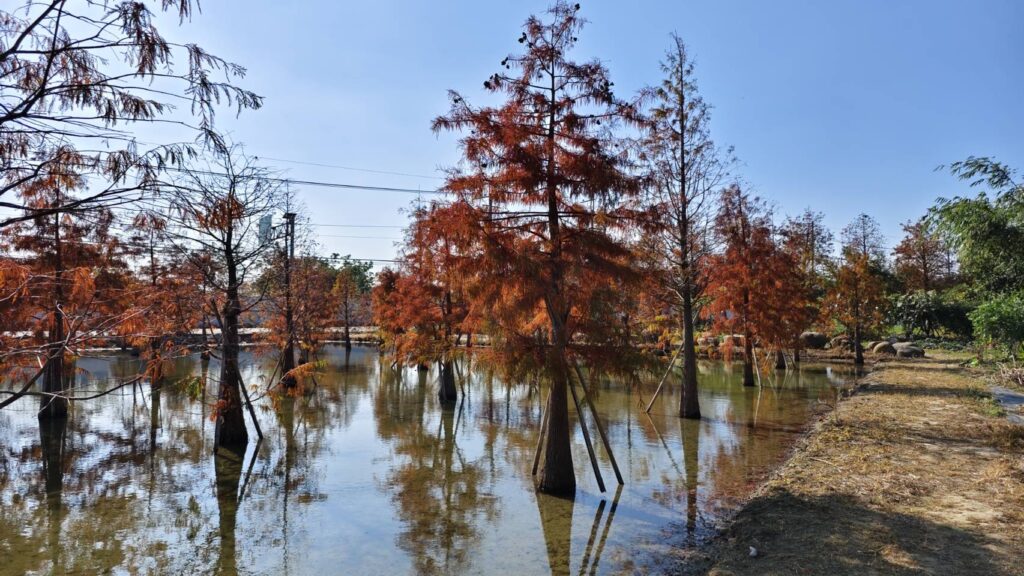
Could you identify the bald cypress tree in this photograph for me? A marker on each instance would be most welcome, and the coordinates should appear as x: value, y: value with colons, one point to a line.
x: 543, y: 186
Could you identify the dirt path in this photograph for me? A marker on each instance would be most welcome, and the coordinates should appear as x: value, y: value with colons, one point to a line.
x: 919, y: 472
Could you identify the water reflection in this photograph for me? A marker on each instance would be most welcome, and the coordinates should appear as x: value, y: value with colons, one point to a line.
x: 369, y: 473
x: 228, y: 470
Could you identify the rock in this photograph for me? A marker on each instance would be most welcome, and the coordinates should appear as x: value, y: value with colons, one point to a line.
x: 813, y: 340
x: 871, y: 344
x: 840, y: 342
x: 753, y: 552
x: 884, y: 348
x: 909, y: 351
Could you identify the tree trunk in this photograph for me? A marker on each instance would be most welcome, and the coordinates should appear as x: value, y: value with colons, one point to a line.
x: 858, y: 350
x: 348, y: 335
x: 447, y: 392
x: 53, y: 376
x: 230, y: 420
x: 748, y: 360
x: 288, y: 361
x: 780, y: 360
x: 556, y: 474
x: 287, y: 365
x: 689, y: 406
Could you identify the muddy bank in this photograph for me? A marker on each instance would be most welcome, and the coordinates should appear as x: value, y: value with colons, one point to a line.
x: 918, y: 472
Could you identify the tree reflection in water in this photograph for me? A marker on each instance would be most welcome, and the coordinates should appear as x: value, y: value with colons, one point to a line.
x: 228, y: 470
x: 440, y: 495
x: 370, y: 474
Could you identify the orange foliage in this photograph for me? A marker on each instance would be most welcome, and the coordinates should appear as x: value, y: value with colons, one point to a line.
x: 756, y: 287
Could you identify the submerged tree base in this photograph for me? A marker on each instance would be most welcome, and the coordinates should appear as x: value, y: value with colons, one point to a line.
x: 556, y: 475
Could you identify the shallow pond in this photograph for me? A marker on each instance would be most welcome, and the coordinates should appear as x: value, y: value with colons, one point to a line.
x: 367, y: 474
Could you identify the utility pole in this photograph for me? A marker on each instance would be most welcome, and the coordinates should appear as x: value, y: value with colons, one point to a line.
x: 288, y: 362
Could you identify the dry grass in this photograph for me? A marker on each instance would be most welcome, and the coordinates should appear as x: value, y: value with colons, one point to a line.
x: 917, y: 473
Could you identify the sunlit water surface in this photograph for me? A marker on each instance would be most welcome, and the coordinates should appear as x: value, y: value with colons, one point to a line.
x: 367, y: 474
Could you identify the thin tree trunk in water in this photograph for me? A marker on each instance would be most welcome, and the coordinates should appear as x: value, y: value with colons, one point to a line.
x: 231, y: 422
x: 53, y: 377
x: 288, y: 362
x: 858, y: 350
x: 780, y: 359
x: 348, y: 335
x: 748, y: 343
x: 689, y: 406
x: 447, y: 393
x: 748, y: 360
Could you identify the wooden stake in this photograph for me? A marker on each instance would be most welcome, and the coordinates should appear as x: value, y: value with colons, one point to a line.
x: 600, y: 427
x: 671, y: 363
x: 757, y: 368
x: 586, y: 435
x: 540, y: 436
x: 248, y: 403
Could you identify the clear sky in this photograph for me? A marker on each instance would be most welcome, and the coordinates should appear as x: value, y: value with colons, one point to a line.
x: 841, y: 106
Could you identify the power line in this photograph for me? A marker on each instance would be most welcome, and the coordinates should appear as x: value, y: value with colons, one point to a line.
x: 342, y: 186
x: 367, y: 170
x: 358, y: 225
x: 364, y: 237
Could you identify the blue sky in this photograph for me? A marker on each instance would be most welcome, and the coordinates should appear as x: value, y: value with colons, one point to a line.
x: 842, y: 106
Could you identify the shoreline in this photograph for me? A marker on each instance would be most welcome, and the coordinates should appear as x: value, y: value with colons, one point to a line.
x: 917, y: 470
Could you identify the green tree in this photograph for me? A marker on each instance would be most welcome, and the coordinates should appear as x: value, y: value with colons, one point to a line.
x: 1001, y: 321
x: 987, y: 231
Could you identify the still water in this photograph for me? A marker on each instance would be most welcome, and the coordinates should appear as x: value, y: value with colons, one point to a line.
x: 367, y: 474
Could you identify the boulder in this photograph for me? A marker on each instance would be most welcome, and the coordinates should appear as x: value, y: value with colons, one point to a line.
x: 840, y: 342
x: 813, y: 340
x: 909, y: 351
x: 884, y: 348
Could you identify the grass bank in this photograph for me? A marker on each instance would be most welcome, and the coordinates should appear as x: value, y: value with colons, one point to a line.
x: 918, y: 472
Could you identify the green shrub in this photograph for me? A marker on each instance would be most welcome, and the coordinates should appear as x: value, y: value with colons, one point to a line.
x: 1000, y: 320
x: 929, y: 313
